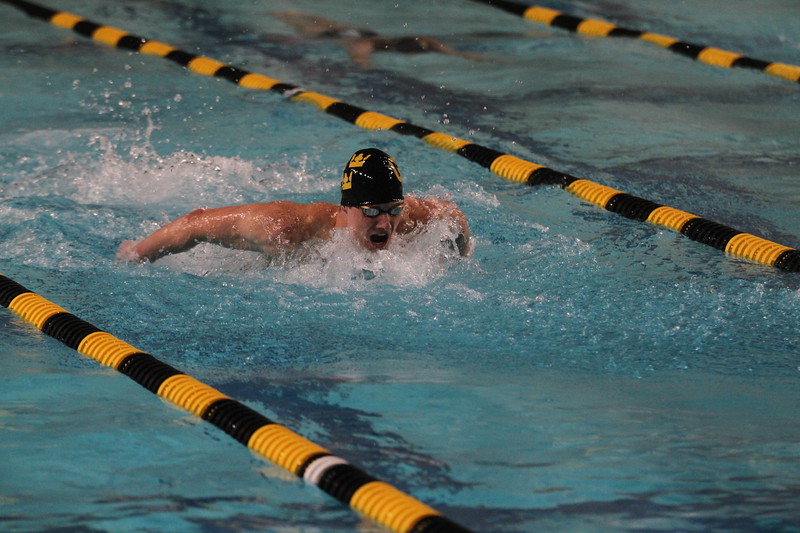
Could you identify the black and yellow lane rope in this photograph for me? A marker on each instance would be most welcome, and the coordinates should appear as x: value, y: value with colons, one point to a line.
x: 598, y: 28
x: 317, y: 466
x: 504, y: 165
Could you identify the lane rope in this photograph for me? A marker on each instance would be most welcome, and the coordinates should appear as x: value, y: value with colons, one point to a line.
x: 365, y: 494
x: 598, y: 28
x: 504, y: 165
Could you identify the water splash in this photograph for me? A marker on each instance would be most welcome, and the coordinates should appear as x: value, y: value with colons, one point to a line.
x: 121, y: 167
x: 337, y: 265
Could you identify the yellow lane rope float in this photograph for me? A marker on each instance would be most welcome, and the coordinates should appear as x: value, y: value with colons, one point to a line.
x: 365, y: 494
x: 504, y: 165
x: 599, y: 28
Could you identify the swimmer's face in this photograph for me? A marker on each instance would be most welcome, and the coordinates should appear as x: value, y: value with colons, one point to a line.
x: 374, y: 232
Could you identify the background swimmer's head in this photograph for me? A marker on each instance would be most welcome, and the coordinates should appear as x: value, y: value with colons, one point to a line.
x: 371, y: 177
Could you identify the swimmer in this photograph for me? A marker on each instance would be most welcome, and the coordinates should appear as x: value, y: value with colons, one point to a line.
x: 361, y: 43
x: 373, y: 209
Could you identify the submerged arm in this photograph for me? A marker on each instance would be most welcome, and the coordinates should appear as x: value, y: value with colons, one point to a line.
x: 442, y: 48
x: 360, y: 51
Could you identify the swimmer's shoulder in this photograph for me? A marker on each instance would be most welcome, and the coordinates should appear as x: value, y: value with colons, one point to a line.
x: 415, y: 211
x: 295, y: 220
x: 421, y: 211
x: 290, y: 208
x: 314, y: 220
x: 286, y: 223
x: 425, y: 208
x: 321, y: 210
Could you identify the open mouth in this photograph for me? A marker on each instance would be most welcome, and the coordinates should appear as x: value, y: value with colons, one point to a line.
x: 379, y: 239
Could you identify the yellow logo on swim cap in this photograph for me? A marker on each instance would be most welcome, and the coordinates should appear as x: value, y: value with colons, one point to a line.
x: 347, y: 181
x: 358, y: 160
x: 396, y: 170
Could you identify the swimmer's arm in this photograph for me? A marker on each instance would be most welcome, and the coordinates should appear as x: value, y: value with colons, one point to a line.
x: 438, y: 46
x: 247, y: 227
x: 424, y: 211
x: 308, y: 25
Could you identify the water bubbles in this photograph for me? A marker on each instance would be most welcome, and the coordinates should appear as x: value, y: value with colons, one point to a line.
x: 340, y: 265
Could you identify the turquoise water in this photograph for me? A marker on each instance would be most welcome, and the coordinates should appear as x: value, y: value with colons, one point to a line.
x: 580, y: 371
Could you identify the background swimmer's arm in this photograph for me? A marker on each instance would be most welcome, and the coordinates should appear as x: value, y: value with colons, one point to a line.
x: 309, y: 25
x: 257, y: 227
x: 438, y: 46
x: 360, y: 51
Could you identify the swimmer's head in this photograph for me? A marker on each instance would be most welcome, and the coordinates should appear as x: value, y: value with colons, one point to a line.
x: 371, y: 177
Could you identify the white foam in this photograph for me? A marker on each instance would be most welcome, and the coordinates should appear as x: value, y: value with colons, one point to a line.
x: 336, y: 265
x: 121, y: 167
x: 341, y: 265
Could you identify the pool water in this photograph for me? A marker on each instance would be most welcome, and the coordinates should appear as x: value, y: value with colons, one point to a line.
x: 579, y: 371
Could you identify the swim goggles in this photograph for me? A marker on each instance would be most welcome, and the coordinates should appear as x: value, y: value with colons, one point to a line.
x: 372, y: 212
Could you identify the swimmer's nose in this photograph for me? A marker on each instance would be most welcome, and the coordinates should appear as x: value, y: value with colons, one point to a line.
x: 383, y: 221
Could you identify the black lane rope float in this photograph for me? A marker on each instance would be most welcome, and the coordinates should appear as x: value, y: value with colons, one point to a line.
x: 599, y: 28
x: 367, y: 495
x: 504, y: 165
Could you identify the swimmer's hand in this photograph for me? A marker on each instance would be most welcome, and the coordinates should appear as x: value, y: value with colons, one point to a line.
x: 460, y: 245
x: 127, y: 252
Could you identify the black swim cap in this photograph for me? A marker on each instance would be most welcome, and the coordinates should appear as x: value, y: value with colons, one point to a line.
x: 371, y: 177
